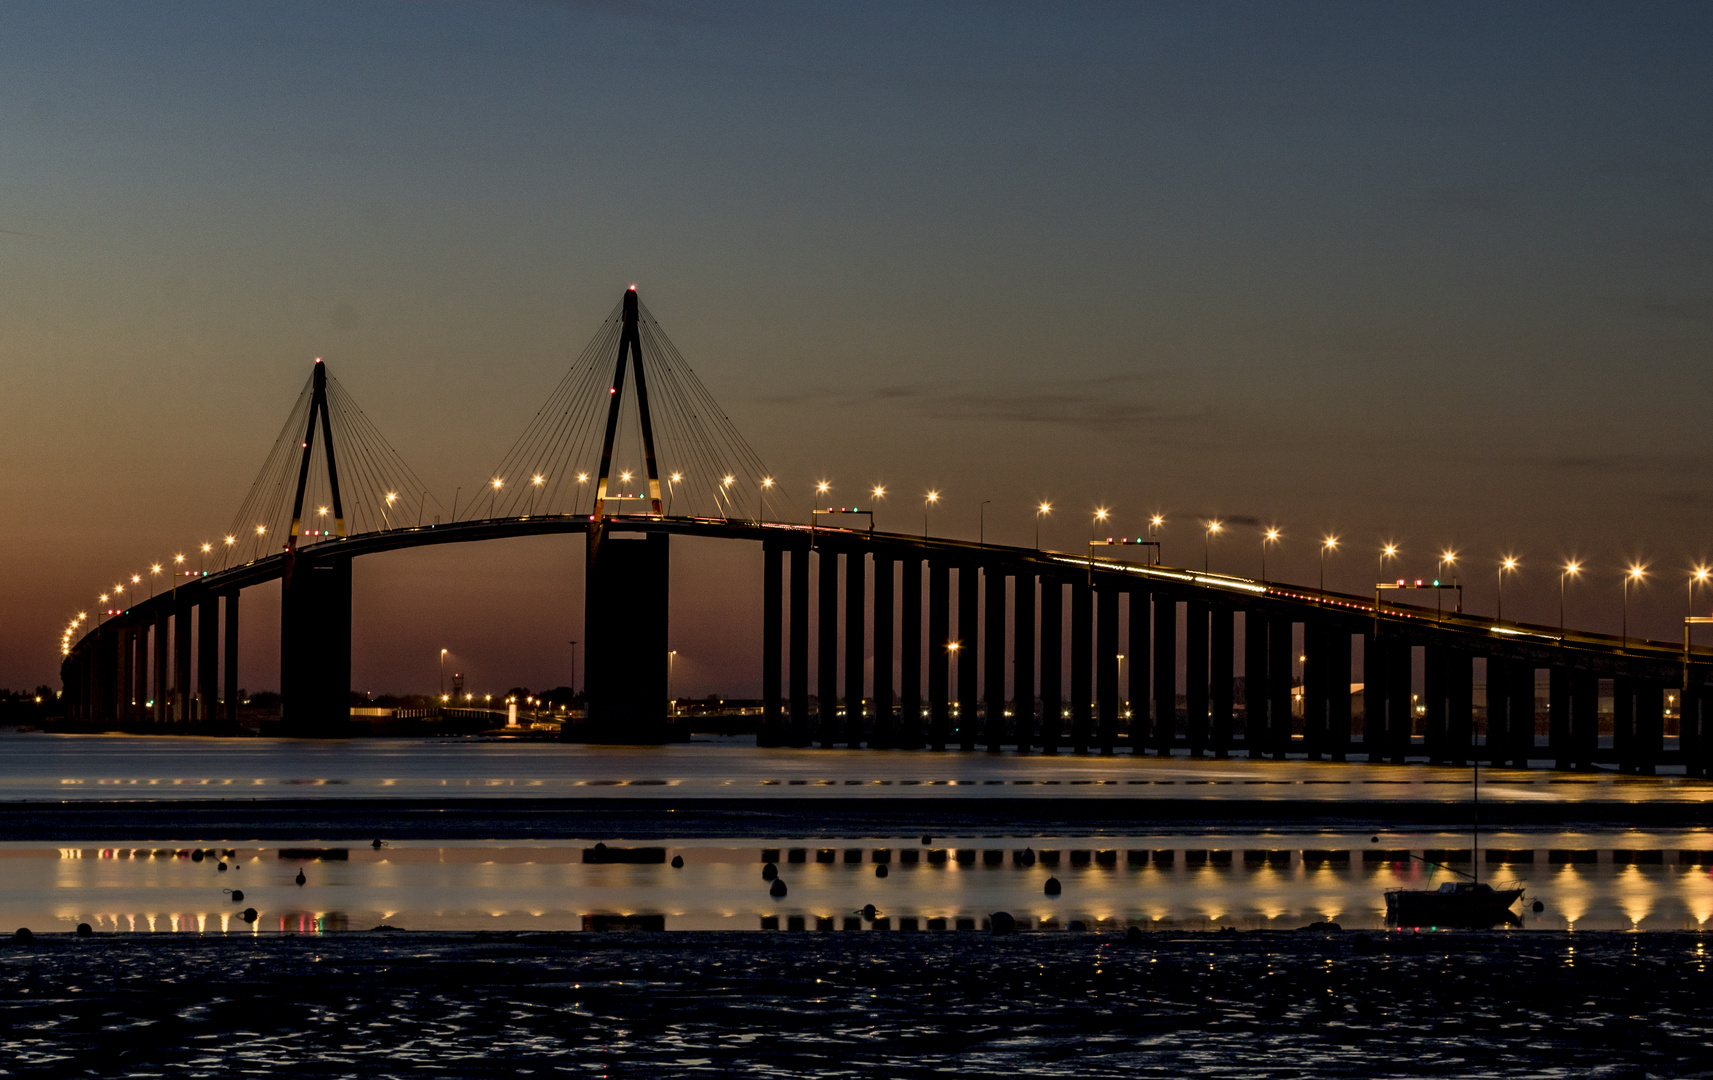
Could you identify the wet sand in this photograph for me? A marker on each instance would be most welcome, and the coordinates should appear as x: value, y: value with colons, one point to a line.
x: 787, y: 1005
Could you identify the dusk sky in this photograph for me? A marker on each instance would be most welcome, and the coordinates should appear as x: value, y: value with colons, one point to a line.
x: 1439, y: 273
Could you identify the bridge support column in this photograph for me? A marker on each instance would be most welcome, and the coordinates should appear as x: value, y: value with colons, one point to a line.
x: 1281, y: 652
x: 1695, y: 738
x: 231, y: 659
x: 107, y: 673
x: 969, y: 644
x: 856, y: 641
x: 1052, y: 663
x: 1623, y: 722
x: 1222, y: 642
x: 159, y: 683
x: 939, y: 654
x: 1650, y: 726
x: 1585, y: 716
x: 1195, y: 675
x: 1106, y: 664
x: 208, y: 659
x: 1522, y: 714
x: 993, y: 655
x: 1023, y: 659
x: 1256, y: 725
x: 1141, y: 659
x: 1338, y: 688
x: 1082, y: 660
x: 181, y: 688
x: 1317, y: 695
x: 772, y: 643
x: 827, y: 646
x: 1501, y: 731
x: 1559, y: 745
x: 315, y: 652
x: 1165, y: 673
x: 128, y: 675
x: 910, y: 654
x: 1436, y: 696
x: 798, y: 733
x: 1460, y: 705
x: 885, y: 675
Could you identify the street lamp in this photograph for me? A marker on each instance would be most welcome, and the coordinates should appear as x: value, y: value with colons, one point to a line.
x: 582, y: 479
x: 1329, y: 544
x: 535, y: 483
x: 766, y: 486
x: 443, y: 674
x: 932, y: 499
x: 1571, y: 569
x: 154, y: 572
x: 879, y: 493
x: 671, y: 488
x: 1271, y: 536
x: 202, y: 558
x: 1213, y: 528
x: 1388, y: 550
x: 1041, y: 510
x: 493, y: 498
x: 392, y: 497
x: 1635, y: 573
x: 671, y: 664
x: 1508, y: 563
x: 981, y: 523
x: 1447, y: 559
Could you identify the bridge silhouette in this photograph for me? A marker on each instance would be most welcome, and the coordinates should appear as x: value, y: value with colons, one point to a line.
x: 975, y: 610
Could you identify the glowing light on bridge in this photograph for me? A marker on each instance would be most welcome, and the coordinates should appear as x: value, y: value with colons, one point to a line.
x: 878, y: 491
x: 823, y: 487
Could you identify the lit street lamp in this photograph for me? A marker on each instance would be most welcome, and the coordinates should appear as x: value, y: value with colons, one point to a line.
x: 766, y: 486
x: 932, y: 499
x: 1635, y: 573
x: 1271, y: 536
x: 981, y: 523
x: 1329, y: 544
x: 535, y: 483
x: 443, y: 674
x: 1040, y: 511
x: 1508, y: 563
x: 1213, y: 528
x: 879, y: 493
x: 1571, y: 569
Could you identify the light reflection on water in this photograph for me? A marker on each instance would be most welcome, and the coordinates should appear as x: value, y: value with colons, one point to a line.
x: 1261, y: 882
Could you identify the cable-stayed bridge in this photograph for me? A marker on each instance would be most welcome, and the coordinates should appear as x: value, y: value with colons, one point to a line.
x: 631, y: 449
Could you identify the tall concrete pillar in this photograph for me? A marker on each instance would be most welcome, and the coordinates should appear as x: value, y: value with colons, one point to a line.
x: 1023, y: 659
x: 798, y: 733
x: 1584, y: 715
x: 1436, y: 695
x: 856, y: 640
x: 1082, y: 658
x: 772, y: 731
x: 1317, y: 691
x: 1222, y: 643
x: 208, y: 659
x: 1195, y: 676
x: 1106, y: 665
x: 1694, y: 742
x: 107, y: 673
x: 827, y: 645
x: 1256, y: 726
x: 1141, y: 661
x: 231, y: 661
x: 1165, y: 673
x: 1400, y: 699
x: 315, y: 652
x: 993, y: 654
x: 939, y: 655
x: 1459, y: 714
x: 1052, y: 663
x: 969, y: 635
x: 181, y: 688
x: 1650, y: 726
x: 885, y: 666
x: 128, y: 674
x: 1623, y: 722
x: 1521, y: 674
x: 158, y: 683
x: 1559, y: 746
x: 1338, y: 691
x: 1501, y: 736
x: 910, y: 654
x: 1279, y: 656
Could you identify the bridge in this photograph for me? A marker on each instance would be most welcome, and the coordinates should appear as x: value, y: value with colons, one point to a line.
x: 975, y: 611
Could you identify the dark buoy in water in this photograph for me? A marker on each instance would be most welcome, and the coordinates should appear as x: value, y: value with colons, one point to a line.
x: 196, y: 856
x: 1053, y: 886
x: 376, y: 844
x: 926, y: 840
x: 249, y: 914
x: 1077, y: 926
x: 84, y: 929
x: 1373, y: 839
x: 778, y: 889
x: 769, y: 872
x: 1133, y: 936
x: 1001, y: 923
x: 868, y: 912
x: 237, y: 896
x: 677, y: 862
x: 879, y: 869
x: 23, y: 936
x: 221, y: 868
x: 300, y: 878
x: 1537, y: 907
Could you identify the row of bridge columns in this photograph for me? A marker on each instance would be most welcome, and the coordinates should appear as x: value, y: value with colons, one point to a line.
x: 1082, y: 705
x: 137, y: 670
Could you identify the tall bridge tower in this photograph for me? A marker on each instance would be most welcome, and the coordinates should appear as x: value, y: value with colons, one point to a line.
x: 626, y: 582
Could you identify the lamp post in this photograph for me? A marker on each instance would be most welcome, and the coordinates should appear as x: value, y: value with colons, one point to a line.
x: 981, y: 523
x: 386, y: 519
x: 1447, y: 559
x: 154, y: 573
x: 1213, y: 527
x: 1156, y: 526
x: 1696, y: 577
x: 1329, y: 544
x: 443, y: 674
x: 1388, y: 550
x: 1571, y: 569
x: 494, y: 496
x: 582, y: 482
x: 1271, y: 536
x: 879, y: 493
x: 1509, y: 562
x: 932, y: 499
x: 573, y: 645
x: 1041, y: 510
x: 1635, y: 573
x: 202, y: 559
x: 535, y: 483
x: 671, y: 665
x: 766, y: 486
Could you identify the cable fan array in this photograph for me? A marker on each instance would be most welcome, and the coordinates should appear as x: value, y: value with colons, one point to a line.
x: 706, y: 468
x: 379, y: 491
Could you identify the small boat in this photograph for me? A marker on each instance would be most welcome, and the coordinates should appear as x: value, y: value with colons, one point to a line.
x: 1454, y: 903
